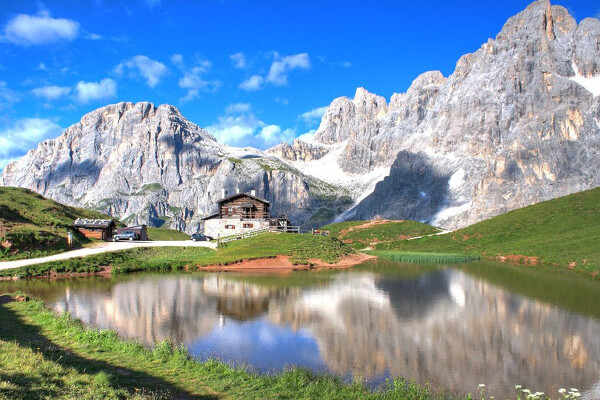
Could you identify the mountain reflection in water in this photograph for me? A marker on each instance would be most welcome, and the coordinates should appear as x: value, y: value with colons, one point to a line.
x: 443, y: 327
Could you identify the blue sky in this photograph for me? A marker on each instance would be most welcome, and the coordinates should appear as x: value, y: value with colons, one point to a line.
x: 252, y: 72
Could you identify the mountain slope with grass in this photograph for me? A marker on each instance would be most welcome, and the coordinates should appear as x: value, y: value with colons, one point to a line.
x: 562, y: 232
x: 364, y: 234
x: 32, y: 226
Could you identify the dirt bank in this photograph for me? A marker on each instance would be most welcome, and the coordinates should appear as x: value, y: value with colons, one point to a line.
x: 282, y: 263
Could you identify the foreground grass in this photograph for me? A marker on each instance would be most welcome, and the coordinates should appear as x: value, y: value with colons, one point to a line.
x: 562, y: 232
x: 33, y: 226
x: 166, y: 234
x: 361, y: 234
x: 299, y: 247
x: 47, y: 356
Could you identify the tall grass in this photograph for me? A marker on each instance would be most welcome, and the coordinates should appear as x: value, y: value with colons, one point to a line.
x: 429, y: 258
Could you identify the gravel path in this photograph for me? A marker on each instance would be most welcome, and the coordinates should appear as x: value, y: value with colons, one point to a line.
x: 103, y: 248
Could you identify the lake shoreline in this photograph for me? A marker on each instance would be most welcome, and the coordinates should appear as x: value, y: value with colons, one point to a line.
x: 278, y: 264
x: 282, y: 263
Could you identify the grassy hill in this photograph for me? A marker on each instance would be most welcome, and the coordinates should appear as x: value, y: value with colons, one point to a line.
x: 561, y: 232
x: 363, y: 234
x: 166, y: 234
x: 31, y: 225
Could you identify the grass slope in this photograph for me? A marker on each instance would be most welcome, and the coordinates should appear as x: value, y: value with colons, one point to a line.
x: 362, y: 234
x: 33, y: 226
x: 47, y: 356
x: 300, y: 248
x: 166, y: 234
x: 561, y: 232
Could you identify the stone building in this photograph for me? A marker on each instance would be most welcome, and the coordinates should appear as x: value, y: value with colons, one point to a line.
x: 239, y: 213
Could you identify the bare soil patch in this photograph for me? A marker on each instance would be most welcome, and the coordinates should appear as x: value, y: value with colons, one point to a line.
x: 282, y: 263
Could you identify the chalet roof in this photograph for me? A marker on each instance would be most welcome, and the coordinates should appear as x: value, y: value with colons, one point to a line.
x: 233, y: 196
x: 211, y: 216
x: 93, y: 223
x: 134, y: 227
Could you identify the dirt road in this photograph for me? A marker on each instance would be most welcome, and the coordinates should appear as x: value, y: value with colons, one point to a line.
x: 103, y: 248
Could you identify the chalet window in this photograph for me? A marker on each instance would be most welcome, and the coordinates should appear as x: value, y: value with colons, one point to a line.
x: 230, y: 210
x: 248, y: 225
x: 229, y: 226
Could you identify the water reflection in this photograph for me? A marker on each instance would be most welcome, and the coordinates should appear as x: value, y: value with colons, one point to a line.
x: 441, y: 326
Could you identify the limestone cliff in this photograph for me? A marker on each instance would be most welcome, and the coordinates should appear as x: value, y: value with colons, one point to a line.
x: 517, y: 122
x: 147, y: 164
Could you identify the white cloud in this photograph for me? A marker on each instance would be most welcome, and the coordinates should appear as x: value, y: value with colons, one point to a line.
x: 7, y: 96
x: 252, y: 84
x: 308, y: 136
x: 51, y: 92
x: 24, y: 135
x: 313, y: 115
x: 273, y: 134
x: 27, y: 30
x: 238, y: 60
x: 177, y: 59
x: 192, y: 79
x: 152, y: 71
x: 346, y: 64
x: 90, y: 91
x: 93, y: 36
x: 278, y: 73
x: 238, y: 108
x: 240, y: 127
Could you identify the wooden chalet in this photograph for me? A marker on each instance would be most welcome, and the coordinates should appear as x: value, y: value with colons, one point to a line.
x: 95, y: 228
x: 243, y: 206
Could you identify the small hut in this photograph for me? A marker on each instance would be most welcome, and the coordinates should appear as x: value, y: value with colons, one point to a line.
x: 95, y: 228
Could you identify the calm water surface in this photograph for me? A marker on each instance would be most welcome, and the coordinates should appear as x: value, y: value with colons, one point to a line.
x: 453, y: 327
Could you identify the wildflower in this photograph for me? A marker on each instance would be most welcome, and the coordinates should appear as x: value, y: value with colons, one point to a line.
x: 526, y: 391
x: 517, y: 387
x: 574, y: 390
x: 481, y: 385
x: 562, y: 390
x: 576, y: 394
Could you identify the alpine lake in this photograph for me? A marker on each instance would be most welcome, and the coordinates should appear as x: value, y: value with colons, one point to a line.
x: 452, y: 327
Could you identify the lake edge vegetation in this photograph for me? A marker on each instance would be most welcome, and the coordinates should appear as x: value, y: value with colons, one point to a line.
x: 301, y: 249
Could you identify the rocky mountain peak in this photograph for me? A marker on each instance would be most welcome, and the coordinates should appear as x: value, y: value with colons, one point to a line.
x: 298, y: 151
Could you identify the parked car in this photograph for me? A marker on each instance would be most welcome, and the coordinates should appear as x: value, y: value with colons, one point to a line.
x: 124, y: 236
x: 200, y: 237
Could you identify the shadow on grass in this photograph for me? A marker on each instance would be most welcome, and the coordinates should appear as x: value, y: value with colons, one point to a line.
x: 13, y: 329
